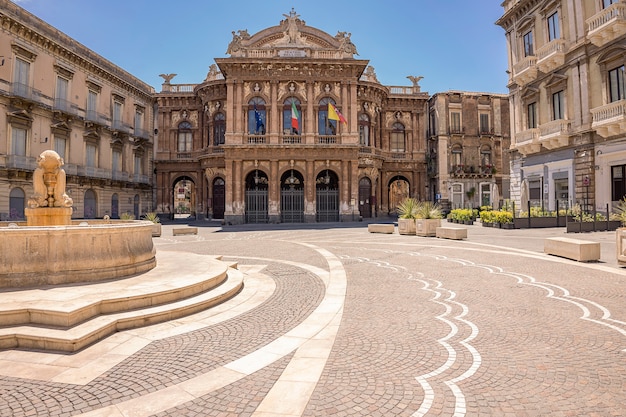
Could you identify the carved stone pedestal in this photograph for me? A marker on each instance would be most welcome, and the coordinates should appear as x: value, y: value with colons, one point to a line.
x: 48, y: 216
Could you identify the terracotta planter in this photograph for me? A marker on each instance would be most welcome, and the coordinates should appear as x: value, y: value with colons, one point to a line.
x: 427, y: 227
x: 620, y: 236
x: 406, y: 226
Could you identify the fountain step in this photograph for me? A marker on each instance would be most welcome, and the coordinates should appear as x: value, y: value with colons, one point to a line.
x: 171, y: 290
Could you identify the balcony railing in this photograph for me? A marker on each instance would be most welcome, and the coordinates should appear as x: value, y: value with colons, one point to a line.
x: 607, y: 25
x: 288, y: 139
x: 63, y: 105
x: 178, y: 88
x: 95, y: 117
x: 21, y: 162
x: 119, y: 126
x: 472, y: 171
x: 527, y: 141
x: 24, y: 91
x: 141, y: 133
x: 525, y: 70
x: 327, y: 139
x: 610, y: 119
x: 256, y: 139
x: 120, y: 176
x: 551, y: 55
x: 555, y: 134
x: 141, y: 179
x: 94, y: 172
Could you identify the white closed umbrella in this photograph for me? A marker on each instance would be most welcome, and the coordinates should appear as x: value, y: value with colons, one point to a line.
x: 495, y: 196
x: 524, y: 195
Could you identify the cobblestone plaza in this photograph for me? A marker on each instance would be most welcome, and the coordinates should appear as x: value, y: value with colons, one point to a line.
x: 341, y: 322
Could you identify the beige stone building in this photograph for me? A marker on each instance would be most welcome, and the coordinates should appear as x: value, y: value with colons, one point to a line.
x: 468, y: 148
x: 258, y: 139
x: 568, y: 108
x: 57, y: 94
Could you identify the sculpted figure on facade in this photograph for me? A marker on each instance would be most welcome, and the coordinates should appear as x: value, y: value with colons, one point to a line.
x: 292, y: 33
x: 213, y: 73
x: 345, y: 44
x: 49, y: 182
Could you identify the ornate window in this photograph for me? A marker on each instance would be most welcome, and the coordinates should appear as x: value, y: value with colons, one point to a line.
x: 219, y: 129
x: 532, y: 115
x: 185, y: 137
x: 529, y: 47
x: 256, y: 116
x: 456, y: 156
x: 325, y: 126
x: 292, y: 120
x: 397, y: 138
x: 485, y: 156
x: 553, y: 27
x: 364, y: 129
x: 558, y: 105
x: 18, y: 140
x: 616, y: 84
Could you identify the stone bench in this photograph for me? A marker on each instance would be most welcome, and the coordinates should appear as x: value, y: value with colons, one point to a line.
x: 380, y: 228
x: 185, y: 231
x: 456, y: 233
x: 576, y: 249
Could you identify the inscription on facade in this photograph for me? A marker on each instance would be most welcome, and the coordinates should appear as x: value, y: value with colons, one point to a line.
x: 291, y: 53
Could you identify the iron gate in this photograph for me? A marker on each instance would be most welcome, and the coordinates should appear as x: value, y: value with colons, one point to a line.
x: 292, y: 205
x: 256, y: 206
x: 327, y: 205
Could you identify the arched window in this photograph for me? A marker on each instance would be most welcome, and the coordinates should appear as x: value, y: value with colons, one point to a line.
x: 17, y: 199
x: 456, y: 157
x: 219, y: 128
x: 397, y: 138
x: 292, y: 116
x: 185, y: 138
x: 485, y: 156
x: 256, y: 116
x: 325, y: 126
x: 364, y: 129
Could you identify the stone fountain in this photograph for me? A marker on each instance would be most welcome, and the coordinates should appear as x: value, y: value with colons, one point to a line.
x: 51, y: 249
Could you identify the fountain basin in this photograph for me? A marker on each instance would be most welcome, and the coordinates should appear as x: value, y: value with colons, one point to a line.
x: 85, y: 251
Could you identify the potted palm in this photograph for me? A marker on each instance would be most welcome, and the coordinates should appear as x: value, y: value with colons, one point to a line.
x: 619, y: 212
x: 406, y: 216
x: 427, y: 218
x: 156, y: 223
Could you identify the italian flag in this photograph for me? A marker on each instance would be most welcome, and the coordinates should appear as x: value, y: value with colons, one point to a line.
x: 294, y: 116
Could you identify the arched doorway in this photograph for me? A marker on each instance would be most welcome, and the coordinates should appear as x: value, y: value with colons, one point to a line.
x: 365, y: 192
x: 256, y: 197
x: 327, y: 197
x: 91, y: 204
x: 115, y: 206
x: 136, y: 206
x: 183, y: 197
x: 398, y: 190
x: 219, y: 198
x: 17, y: 199
x: 292, y: 197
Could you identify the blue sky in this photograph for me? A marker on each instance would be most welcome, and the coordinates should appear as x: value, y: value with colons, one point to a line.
x: 453, y: 44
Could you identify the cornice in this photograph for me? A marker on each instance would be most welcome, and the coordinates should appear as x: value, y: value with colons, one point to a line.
x: 28, y: 28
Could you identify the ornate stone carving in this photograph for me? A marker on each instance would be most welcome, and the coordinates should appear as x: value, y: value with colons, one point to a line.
x: 49, y: 182
x: 213, y: 74
x: 211, y: 173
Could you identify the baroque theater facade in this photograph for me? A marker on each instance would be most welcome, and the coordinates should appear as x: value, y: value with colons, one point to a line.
x: 291, y: 128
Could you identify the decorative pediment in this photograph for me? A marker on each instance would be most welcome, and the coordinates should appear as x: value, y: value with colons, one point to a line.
x: 556, y: 79
x: 529, y: 92
x: 291, y: 38
x: 60, y: 127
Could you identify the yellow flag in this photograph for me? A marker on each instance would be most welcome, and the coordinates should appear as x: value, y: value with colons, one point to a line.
x: 334, y: 114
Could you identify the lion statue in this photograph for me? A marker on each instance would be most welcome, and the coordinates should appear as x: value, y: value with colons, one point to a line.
x: 49, y: 182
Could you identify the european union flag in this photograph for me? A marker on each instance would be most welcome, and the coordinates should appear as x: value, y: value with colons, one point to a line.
x: 260, y: 128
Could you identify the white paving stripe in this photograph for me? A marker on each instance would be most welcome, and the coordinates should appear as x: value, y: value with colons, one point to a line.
x: 312, y: 339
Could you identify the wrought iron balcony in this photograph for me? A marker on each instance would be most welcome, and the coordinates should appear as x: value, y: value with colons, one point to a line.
x: 93, y: 116
x: 607, y: 25
x: 610, y: 119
